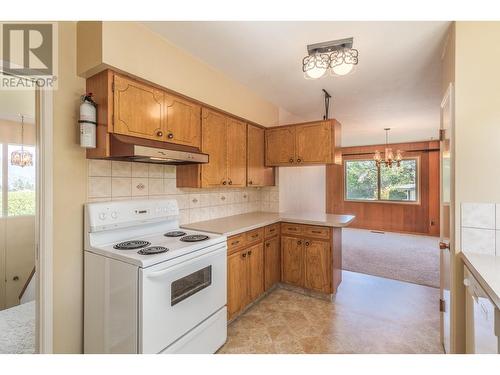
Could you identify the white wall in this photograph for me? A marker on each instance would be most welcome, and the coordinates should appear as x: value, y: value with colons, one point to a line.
x: 302, y: 189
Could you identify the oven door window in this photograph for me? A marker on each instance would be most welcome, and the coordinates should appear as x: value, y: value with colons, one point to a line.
x: 191, y: 284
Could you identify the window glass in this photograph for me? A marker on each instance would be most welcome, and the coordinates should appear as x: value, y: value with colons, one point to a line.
x: 361, y: 180
x: 21, y: 185
x: 399, y: 184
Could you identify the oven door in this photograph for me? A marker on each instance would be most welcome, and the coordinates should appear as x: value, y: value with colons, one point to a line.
x: 178, y: 295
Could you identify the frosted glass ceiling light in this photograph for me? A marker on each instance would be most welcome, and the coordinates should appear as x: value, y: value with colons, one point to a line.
x: 337, y: 56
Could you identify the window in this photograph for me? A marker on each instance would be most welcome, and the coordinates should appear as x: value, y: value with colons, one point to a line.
x: 18, y: 183
x: 364, y: 181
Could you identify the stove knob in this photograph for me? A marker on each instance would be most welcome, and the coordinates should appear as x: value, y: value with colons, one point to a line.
x: 114, y: 214
x: 102, y: 216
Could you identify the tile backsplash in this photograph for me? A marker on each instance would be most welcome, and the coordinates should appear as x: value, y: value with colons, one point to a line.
x: 114, y: 180
x: 480, y: 228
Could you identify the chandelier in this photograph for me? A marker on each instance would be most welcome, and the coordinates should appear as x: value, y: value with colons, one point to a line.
x: 337, y: 57
x: 21, y: 158
x: 389, y: 158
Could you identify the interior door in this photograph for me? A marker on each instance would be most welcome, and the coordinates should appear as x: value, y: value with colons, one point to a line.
x: 213, y: 142
x: 236, y: 153
x: 446, y: 213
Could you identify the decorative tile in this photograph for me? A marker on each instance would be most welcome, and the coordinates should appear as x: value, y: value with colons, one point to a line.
x: 140, y: 186
x: 121, y: 169
x: 156, y: 171
x: 121, y: 186
x: 478, y: 215
x: 101, y: 168
x: 478, y: 240
x: 156, y: 186
x: 99, y: 187
x: 140, y: 169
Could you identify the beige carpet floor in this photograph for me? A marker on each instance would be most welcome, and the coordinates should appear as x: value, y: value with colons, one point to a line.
x: 404, y: 257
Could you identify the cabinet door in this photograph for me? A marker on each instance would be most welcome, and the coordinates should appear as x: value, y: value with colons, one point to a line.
x: 314, y: 143
x: 255, y: 271
x: 237, y: 283
x: 292, y: 260
x: 272, y: 262
x: 138, y: 109
x: 317, y: 265
x: 236, y: 153
x: 183, y: 121
x: 257, y: 173
x: 280, y: 146
x: 213, y: 142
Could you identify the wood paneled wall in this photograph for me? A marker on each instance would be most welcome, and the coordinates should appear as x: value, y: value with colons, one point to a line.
x: 421, y: 218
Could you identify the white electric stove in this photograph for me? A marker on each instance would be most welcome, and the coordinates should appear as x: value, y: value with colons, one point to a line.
x: 151, y: 287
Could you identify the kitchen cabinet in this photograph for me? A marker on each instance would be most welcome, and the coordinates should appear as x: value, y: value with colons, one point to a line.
x: 311, y: 257
x: 257, y: 173
x: 255, y: 260
x: 183, y: 121
x: 237, y: 282
x: 272, y: 262
x: 138, y: 109
x: 304, y: 144
x: 225, y: 140
x: 292, y: 258
x: 130, y: 107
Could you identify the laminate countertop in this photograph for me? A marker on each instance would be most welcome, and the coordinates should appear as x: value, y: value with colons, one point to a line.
x: 486, y: 269
x: 236, y: 224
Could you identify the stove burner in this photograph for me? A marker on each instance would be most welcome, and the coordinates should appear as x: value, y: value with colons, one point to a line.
x: 152, y: 250
x: 131, y: 245
x: 194, y: 238
x: 175, y: 233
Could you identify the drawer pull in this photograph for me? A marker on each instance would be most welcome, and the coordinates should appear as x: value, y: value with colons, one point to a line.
x: 292, y: 228
x: 244, y: 255
x: 272, y: 230
x: 255, y: 235
x: 249, y: 253
x: 235, y: 243
x: 316, y: 231
x: 268, y: 244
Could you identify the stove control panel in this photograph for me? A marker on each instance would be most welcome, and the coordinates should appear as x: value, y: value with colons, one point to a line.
x: 120, y: 214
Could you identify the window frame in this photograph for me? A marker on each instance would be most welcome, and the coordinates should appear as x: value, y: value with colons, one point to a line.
x: 378, y: 200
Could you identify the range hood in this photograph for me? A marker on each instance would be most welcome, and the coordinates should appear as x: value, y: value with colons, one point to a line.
x: 149, y: 151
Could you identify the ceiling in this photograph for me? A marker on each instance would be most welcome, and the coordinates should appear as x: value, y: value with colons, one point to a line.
x: 396, y: 84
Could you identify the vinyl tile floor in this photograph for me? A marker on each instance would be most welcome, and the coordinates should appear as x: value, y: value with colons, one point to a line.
x: 369, y: 315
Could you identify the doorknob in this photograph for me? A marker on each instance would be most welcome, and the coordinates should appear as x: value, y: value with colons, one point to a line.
x: 15, y: 278
x: 444, y: 246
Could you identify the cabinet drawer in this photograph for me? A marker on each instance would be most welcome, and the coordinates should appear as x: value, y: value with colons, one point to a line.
x: 256, y: 235
x: 236, y: 242
x: 316, y: 232
x: 271, y: 230
x: 293, y: 229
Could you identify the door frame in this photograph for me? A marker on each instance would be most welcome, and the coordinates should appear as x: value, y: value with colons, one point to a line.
x: 448, y: 100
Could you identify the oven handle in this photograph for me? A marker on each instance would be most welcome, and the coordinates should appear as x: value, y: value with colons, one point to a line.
x: 158, y: 274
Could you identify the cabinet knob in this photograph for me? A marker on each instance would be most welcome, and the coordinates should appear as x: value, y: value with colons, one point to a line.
x: 224, y: 182
x: 244, y: 255
x: 290, y: 160
x: 249, y: 253
x: 299, y: 242
x: 159, y: 133
x: 307, y: 243
x: 170, y: 135
x: 15, y: 278
x: 268, y: 244
x: 230, y: 182
x: 250, y: 182
x: 299, y: 160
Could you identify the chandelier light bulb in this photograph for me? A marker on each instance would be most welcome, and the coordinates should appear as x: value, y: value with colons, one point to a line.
x: 342, y: 70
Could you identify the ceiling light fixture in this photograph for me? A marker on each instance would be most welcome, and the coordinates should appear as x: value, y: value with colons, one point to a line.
x: 389, y: 158
x: 337, y: 56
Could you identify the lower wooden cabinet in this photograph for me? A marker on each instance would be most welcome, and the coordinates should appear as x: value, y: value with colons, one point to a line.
x: 292, y: 260
x: 317, y: 265
x: 272, y: 262
x: 245, y: 278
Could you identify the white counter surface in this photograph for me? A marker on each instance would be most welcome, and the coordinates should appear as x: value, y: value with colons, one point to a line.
x: 486, y: 269
x: 236, y: 224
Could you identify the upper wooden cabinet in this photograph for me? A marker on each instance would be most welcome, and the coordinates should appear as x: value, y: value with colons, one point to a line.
x: 138, y: 109
x: 307, y: 143
x: 183, y: 121
x: 225, y: 140
x: 127, y: 106
x: 257, y: 172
